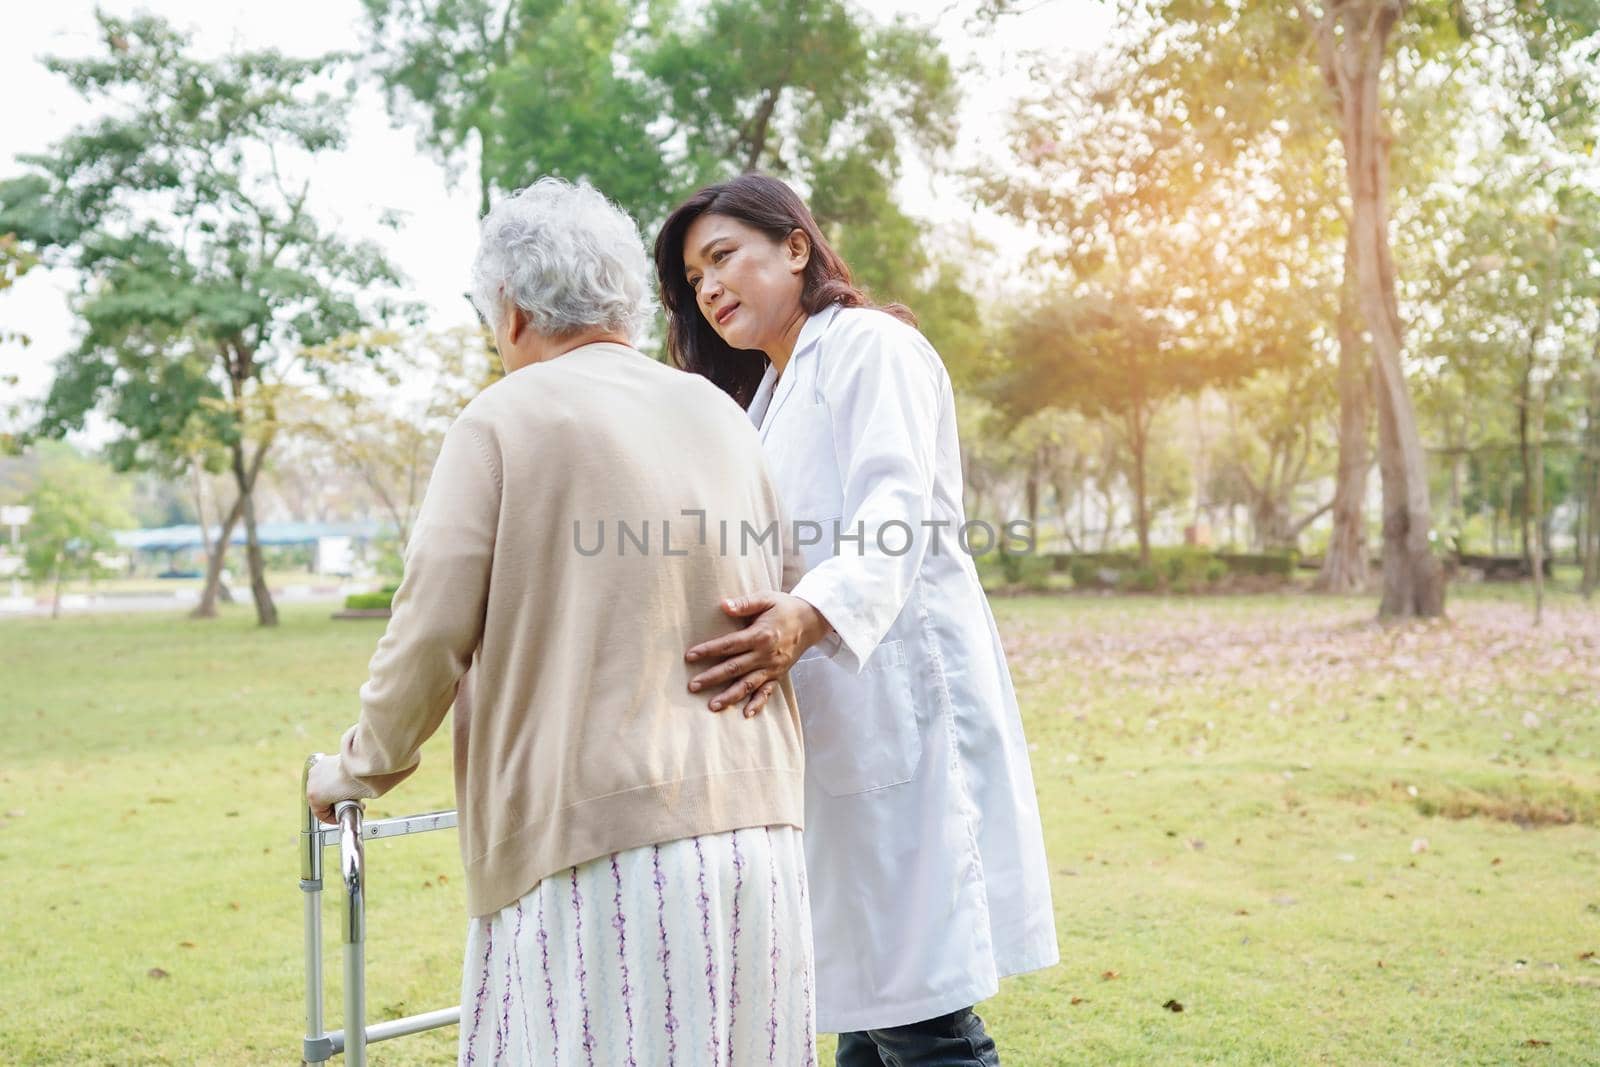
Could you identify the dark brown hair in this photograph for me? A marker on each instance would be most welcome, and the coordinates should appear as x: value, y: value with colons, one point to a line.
x: 766, y: 204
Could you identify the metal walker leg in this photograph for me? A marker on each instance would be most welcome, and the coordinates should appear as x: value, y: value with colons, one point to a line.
x: 349, y: 834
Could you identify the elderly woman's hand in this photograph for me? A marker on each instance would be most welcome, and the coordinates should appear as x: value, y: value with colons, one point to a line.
x: 327, y: 785
x: 756, y: 657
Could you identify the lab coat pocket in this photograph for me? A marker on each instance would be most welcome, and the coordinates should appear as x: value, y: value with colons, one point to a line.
x: 860, y: 729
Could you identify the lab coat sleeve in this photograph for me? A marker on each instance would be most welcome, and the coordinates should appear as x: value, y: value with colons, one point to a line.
x: 883, y: 390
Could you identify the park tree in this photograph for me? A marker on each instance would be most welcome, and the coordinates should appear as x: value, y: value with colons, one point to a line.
x: 1504, y: 265
x: 206, y: 281
x: 1095, y: 355
x: 649, y: 99
x: 1589, y: 475
x: 15, y: 261
x: 1549, y: 281
x: 1279, y: 439
x: 77, y: 506
x: 1221, y: 79
x: 1364, y: 51
x: 391, y: 447
x: 1151, y: 282
x: 814, y: 92
x: 517, y: 89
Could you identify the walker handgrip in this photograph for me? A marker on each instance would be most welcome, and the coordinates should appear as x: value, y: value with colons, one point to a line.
x: 351, y: 861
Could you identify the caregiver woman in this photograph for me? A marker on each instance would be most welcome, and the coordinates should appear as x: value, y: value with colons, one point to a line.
x: 925, y: 857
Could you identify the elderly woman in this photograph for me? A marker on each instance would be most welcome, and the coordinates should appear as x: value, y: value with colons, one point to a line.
x: 634, y: 867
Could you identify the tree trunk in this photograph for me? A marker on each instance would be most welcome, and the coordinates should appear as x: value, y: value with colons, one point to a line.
x: 1589, y: 486
x: 1536, y: 505
x: 1140, y: 433
x: 1580, y: 520
x: 1032, y: 490
x: 1344, y: 566
x: 266, y: 611
x: 1591, y: 555
x: 215, y: 557
x: 1110, y: 502
x: 1525, y: 455
x: 1083, y: 515
x: 1457, y: 520
x: 1413, y: 582
x: 1391, y: 478
x: 213, y: 589
x: 55, y: 598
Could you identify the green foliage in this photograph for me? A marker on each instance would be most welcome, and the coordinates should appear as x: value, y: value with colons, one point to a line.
x: 1011, y: 567
x: 15, y: 261
x: 649, y: 99
x: 1021, y: 571
x: 1184, y: 563
x: 1140, y: 580
x: 1270, y: 564
x: 380, y: 601
x: 1085, y: 575
x: 77, y: 505
x: 1183, y: 570
x: 1190, y: 570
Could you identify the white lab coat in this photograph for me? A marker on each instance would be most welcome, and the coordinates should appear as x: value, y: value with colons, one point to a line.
x: 926, y: 859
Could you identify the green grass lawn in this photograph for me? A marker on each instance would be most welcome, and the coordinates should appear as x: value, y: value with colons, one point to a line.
x: 1328, y: 841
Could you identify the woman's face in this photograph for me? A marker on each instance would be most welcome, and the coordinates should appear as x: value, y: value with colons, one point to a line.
x: 746, y: 284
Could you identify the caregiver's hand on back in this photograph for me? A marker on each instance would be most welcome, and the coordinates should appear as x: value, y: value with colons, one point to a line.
x: 755, y: 658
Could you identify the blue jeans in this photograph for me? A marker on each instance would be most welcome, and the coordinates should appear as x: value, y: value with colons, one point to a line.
x: 954, y: 1040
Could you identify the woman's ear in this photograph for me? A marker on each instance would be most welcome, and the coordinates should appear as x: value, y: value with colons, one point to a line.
x: 516, y: 321
x: 798, y: 246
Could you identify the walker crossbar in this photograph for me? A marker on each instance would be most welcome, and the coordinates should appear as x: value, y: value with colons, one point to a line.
x: 350, y: 835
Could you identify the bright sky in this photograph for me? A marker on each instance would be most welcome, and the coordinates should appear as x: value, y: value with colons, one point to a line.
x: 383, y: 169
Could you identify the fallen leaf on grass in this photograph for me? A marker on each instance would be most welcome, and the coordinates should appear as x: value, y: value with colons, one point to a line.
x: 186, y: 944
x: 156, y: 972
x: 1495, y: 862
x: 1586, y: 955
x: 1534, y: 1042
x: 1078, y: 1000
x: 1109, y: 975
x: 1173, y: 1006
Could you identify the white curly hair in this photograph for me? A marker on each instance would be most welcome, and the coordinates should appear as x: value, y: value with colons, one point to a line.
x: 568, y: 257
